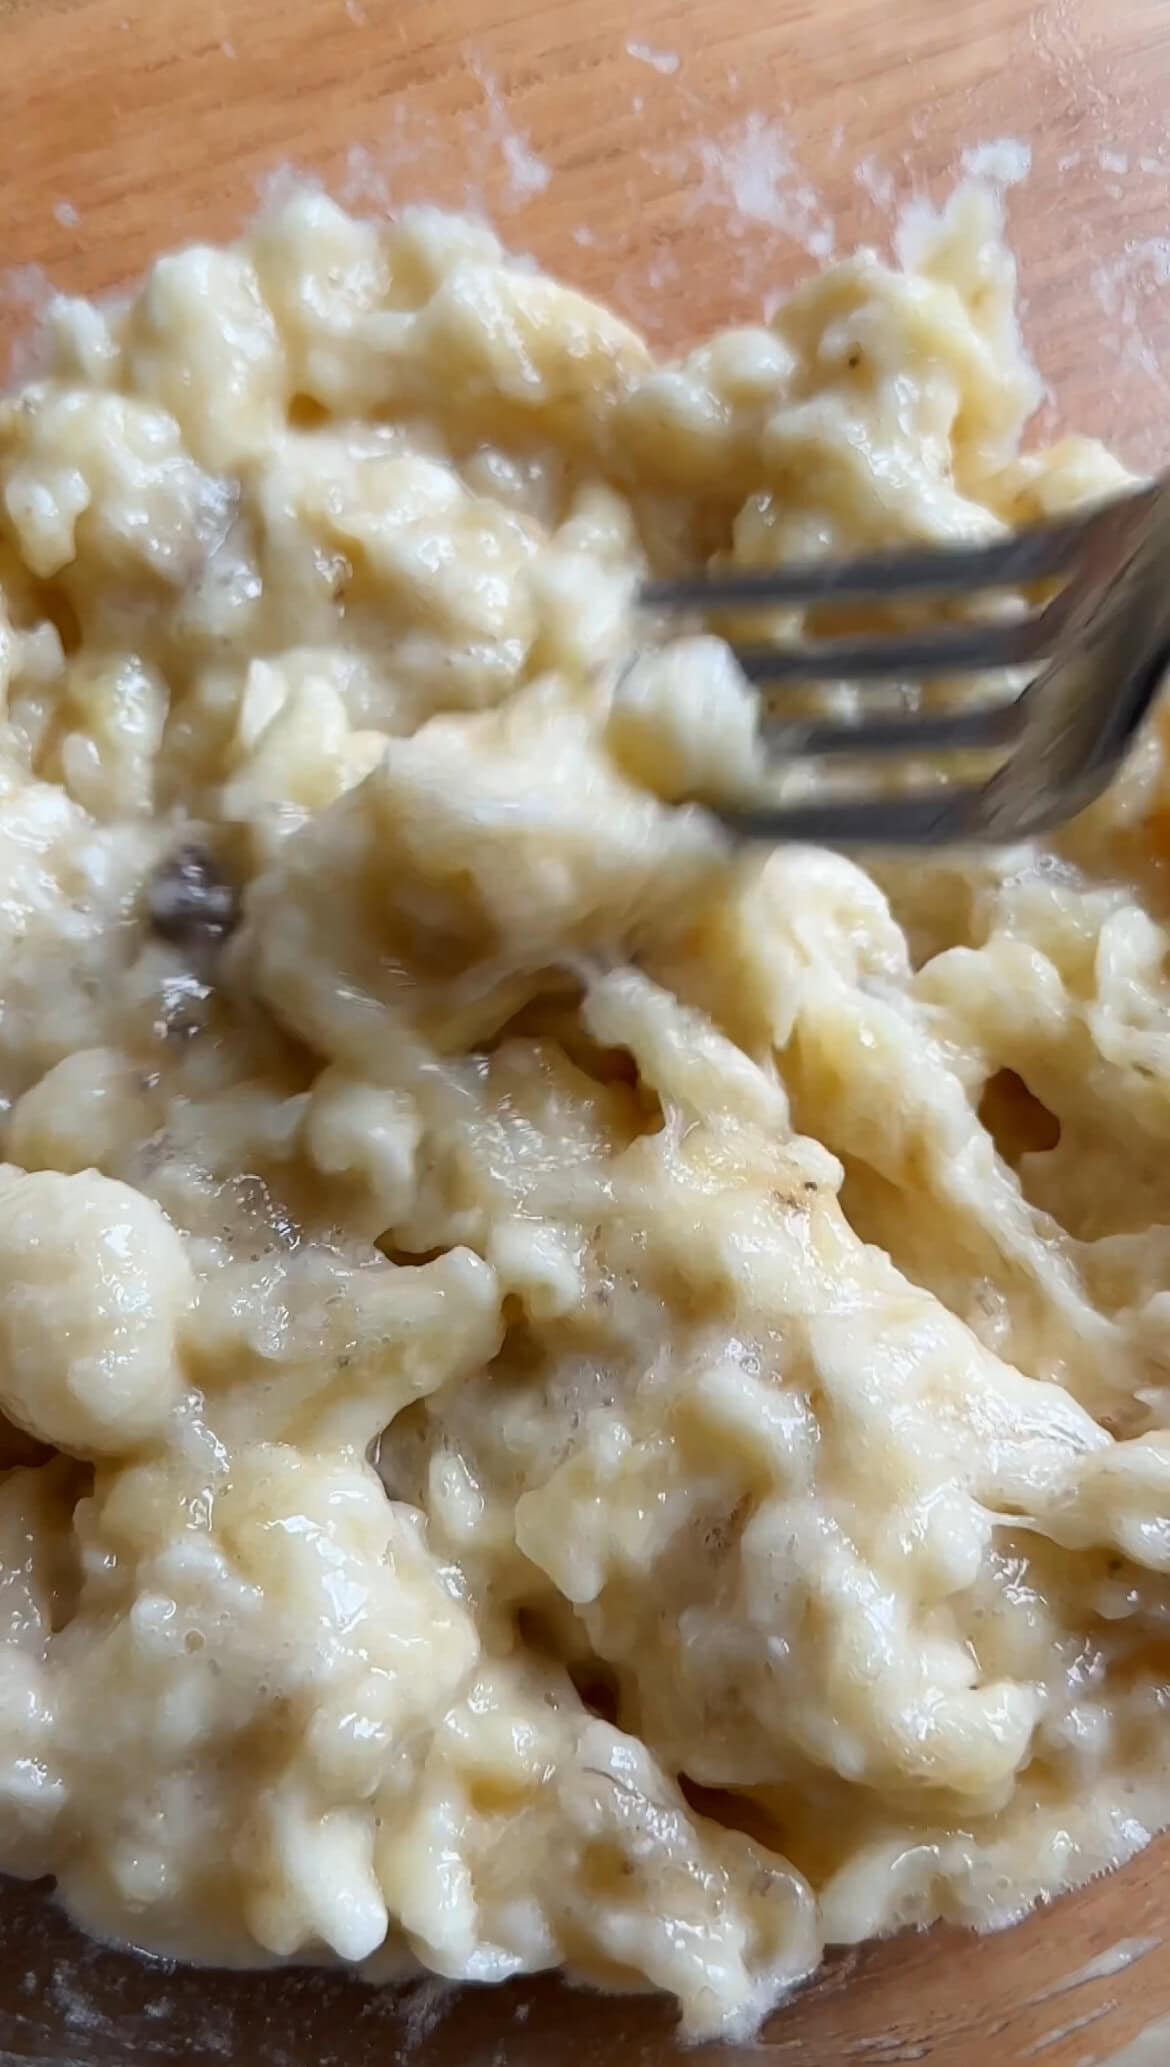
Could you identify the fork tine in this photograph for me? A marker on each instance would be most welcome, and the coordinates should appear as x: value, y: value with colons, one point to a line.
x: 1026, y: 556
x: 930, y: 817
x: 949, y: 650
x: 944, y: 732
x: 1105, y: 633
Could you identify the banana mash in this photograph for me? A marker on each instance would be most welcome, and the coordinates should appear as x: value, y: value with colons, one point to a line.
x: 574, y: 1394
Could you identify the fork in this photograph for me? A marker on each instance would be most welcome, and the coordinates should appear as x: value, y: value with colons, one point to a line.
x: 1104, y: 636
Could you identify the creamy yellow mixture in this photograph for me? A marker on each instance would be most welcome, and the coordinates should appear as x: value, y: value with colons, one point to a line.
x: 576, y: 1394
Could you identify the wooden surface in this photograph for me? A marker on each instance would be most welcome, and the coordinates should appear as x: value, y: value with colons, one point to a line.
x: 129, y: 124
x: 686, y: 180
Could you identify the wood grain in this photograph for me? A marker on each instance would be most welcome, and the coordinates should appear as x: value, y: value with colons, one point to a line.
x: 130, y: 125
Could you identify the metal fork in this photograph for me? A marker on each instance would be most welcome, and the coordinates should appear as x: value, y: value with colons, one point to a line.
x: 1105, y: 636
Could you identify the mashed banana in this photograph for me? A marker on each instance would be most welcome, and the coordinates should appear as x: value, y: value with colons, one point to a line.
x: 576, y: 1395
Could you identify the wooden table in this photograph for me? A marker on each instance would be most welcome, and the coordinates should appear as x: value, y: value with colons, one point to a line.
x: 687, y: 161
